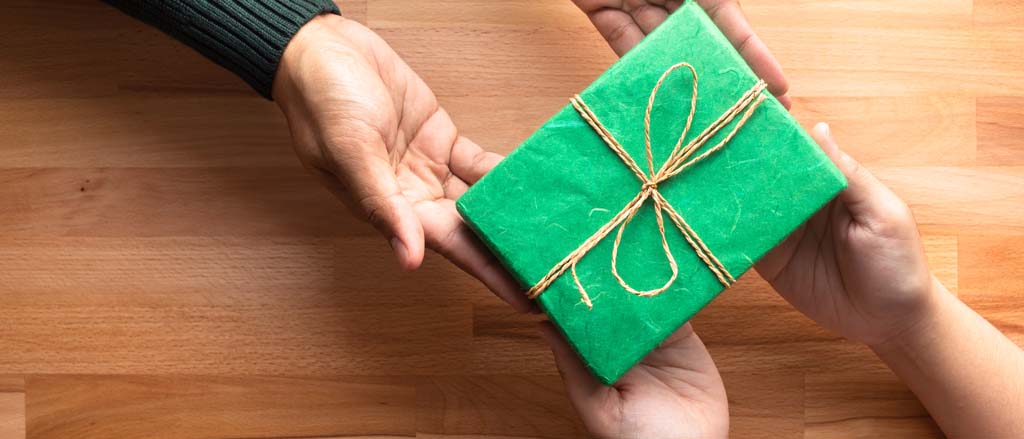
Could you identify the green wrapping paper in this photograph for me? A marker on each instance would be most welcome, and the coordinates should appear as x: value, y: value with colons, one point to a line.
x: 564, y: 183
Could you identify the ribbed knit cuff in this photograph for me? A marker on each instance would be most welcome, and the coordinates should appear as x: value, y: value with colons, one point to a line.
x: 247, y: 37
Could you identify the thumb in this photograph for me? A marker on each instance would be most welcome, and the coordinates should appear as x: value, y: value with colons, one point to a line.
x: 386, y: 208
x: 587, y: 395
x: 392, y: 214
x: 374, y: 193
x: 867, y: 199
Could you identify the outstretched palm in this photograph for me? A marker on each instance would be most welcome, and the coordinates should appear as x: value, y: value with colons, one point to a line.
x: 374, y: 133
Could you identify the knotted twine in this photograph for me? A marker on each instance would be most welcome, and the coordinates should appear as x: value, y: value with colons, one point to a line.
x: 677, y: 162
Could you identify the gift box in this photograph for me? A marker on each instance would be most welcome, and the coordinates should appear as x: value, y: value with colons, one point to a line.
x: 621, y: 228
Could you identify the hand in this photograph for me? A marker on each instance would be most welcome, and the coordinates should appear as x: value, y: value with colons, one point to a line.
x: 625, y: 22
x: 373, y: 132
x: 857, y: 267
x: 675, y: 392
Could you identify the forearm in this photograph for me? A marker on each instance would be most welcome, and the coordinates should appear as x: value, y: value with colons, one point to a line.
x: 967, y: 374
x: 244, y: 36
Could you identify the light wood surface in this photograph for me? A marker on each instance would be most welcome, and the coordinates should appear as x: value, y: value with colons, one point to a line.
x: 168, y: 270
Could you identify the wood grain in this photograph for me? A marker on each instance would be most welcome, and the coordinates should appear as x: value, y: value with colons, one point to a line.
x: 1002, y: 277
x: 189, y: 406
x: 1000, y: 130
x: 518, y: 406
x: 12, y: 415
x: 939, y: 131
x: 12, y: 407
x: 863, y: 405
x: 168, y: 269
x: 151, y: 202
x: 765, y: 405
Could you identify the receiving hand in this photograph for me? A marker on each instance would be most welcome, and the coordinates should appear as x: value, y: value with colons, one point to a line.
x: 625, y: 22
x: 373, y: 132
x: 857, y: 267
x: 675, y: 392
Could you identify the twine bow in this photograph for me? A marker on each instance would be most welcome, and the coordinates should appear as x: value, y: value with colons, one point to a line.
x: 678, y: 161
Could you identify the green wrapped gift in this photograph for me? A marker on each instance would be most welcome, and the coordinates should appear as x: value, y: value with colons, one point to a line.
x: 621, y: 228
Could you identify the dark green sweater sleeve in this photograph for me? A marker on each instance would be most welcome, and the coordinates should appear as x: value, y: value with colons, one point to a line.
x: 247, y: 37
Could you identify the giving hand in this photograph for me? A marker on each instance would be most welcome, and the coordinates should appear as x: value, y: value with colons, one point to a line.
x: 373, y: 132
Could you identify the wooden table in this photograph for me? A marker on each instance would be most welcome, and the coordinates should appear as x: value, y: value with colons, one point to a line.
x: 168, y: 269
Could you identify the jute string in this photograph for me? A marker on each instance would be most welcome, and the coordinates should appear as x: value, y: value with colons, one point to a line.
x: 678, y: 161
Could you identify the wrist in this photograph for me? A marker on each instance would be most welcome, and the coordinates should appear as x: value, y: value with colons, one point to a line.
x: 920, y: 324
x: 289, y: 69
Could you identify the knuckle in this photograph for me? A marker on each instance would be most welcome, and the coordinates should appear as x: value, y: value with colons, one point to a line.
x: 715, y: 7
x: 854, y: 167
x: 894, y: 217
x: 646, y: 7
x: 744, y: 44
x: 442, y: 239
x: 619, y: 32
x: 448, y: 239
x: 374, y: 209
x: 904, y: 216
x: 479, y: 159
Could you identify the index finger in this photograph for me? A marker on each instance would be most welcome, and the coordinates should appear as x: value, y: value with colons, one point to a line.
x: 469, y: 162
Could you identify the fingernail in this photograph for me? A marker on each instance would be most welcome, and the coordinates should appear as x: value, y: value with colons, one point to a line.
x: 825, y: 129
